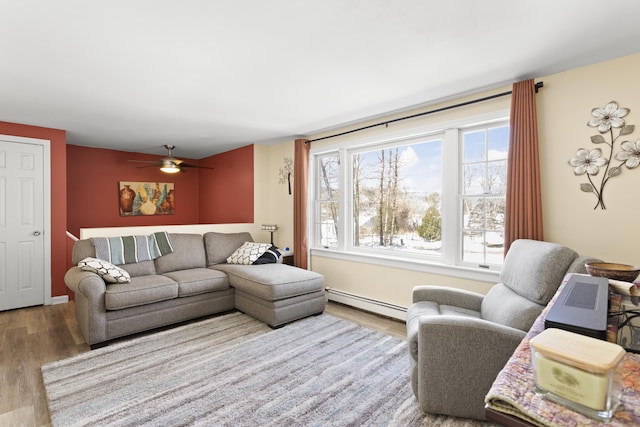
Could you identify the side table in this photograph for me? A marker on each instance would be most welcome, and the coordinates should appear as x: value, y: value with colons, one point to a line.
x: 287, y: 258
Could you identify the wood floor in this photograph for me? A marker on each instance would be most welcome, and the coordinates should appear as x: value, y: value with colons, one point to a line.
x: 32, y: 337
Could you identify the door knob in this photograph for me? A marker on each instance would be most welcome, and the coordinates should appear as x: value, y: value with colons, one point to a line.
x: 36, y: 233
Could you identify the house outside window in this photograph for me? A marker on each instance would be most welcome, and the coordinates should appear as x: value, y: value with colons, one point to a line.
x: 428, y: 196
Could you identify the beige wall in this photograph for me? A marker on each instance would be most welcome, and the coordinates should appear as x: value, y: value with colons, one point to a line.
x: 279, y: 204
x: 564, y: 106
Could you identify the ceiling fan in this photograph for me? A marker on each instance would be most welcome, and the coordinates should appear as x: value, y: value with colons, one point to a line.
x: 169, y: 164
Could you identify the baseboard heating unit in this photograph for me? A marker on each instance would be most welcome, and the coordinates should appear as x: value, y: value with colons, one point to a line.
x: 367, y: 304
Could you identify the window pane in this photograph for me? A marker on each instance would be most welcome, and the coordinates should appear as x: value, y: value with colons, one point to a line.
x: 498, y: 143
x: 496, y: 177
x: 474, y: 146
x: 474, y: 178
x: 473, y: 247
x: 329, y: 174
x: 396, y: 197
x: 483, y: 248
x: 329, y: 224
x: 494, y: 220
x: 473, y: 213
x: 483, y: 235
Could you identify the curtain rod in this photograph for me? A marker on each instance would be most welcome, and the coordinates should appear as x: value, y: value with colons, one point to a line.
x: 450, y: 107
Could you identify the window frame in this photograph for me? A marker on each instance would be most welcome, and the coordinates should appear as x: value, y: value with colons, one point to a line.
x: 462, y: 195
x: 449, y: 263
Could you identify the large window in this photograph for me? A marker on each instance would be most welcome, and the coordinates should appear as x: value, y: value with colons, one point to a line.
x: 433, y: 195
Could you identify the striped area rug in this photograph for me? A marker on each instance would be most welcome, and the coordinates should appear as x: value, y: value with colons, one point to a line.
x: 233, y: 370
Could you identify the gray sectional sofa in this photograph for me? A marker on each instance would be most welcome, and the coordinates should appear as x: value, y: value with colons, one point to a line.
x: 192, y: 281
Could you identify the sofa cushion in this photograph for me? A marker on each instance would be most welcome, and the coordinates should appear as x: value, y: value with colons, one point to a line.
x: 143, y: 268
x: 84, y: 248
x: 109, y: 272
x: 142, y: 290
x: 188, y: 252
x: 198, y: 281
x: 248, y: 253
x: 220, y: 246
x: 272, y: 282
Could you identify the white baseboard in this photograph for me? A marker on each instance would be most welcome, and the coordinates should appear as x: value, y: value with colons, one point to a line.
x: 378, y: 307
x: 60, y: 300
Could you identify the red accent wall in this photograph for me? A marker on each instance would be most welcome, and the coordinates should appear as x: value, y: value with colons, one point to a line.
x: 84, y: 191
x: 93, y: 193
x: 226, y: 194
x: 58, y: 190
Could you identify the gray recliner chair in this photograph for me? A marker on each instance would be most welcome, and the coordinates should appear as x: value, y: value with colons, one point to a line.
x: 460, y: 340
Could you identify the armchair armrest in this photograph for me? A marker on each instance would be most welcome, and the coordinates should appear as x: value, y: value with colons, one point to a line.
x: 448, y: 296
x: 475, y: 349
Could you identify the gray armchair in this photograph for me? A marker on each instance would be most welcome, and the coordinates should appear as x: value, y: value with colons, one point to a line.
x: 460, y: 340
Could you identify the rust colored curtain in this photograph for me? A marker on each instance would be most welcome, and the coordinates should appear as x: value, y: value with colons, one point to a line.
x: 523, y: 211
x: 300, y: 195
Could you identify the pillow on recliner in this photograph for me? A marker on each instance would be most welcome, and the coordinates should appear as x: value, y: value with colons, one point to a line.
x: 248, y: 253
x: 271, y: 256
x: 109, y: 272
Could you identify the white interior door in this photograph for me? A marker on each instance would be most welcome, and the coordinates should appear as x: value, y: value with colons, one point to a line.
x: 22, y: 224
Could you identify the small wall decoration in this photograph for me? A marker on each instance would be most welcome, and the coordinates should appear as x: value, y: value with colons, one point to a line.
x: 286, y: 171
x: 146, y: 198
x: 589, y: 162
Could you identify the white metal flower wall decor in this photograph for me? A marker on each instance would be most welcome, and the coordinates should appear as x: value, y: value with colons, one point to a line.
x: 589, y: 162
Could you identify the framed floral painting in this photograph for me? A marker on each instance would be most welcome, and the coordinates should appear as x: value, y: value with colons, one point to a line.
x: 146, y: 198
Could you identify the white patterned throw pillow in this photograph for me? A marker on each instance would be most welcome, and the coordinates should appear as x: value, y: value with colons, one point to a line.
x: 109, y: 272
x: 248, y: 253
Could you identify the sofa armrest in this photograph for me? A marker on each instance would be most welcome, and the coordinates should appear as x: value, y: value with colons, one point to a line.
x: 448, y: 296
x: 91, y: 312
x: 473, y: 348
x: 84, y: 282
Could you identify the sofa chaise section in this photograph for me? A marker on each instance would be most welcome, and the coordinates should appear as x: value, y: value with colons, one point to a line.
x: 276, y: 293
x: 273, y: 293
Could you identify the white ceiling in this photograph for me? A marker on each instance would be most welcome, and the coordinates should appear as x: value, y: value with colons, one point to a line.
x: 213, y: 75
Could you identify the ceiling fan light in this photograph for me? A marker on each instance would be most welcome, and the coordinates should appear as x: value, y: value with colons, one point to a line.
x: 170, y: 169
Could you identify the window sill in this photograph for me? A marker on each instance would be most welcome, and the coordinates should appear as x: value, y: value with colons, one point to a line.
x: 476, y: 274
